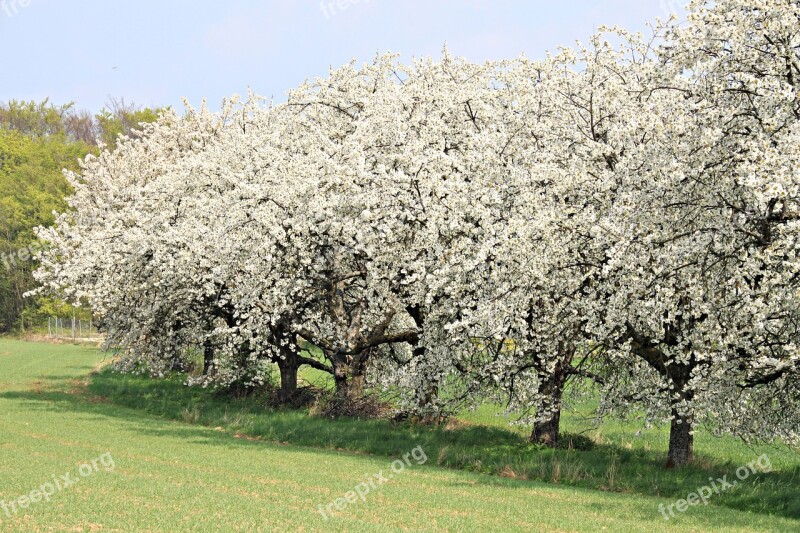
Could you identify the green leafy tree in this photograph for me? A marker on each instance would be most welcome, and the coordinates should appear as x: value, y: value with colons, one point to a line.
x: 37, y: 141
x: 32, y: 188
x: 120, y: 118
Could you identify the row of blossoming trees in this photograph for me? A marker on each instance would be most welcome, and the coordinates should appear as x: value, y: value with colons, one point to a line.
x: 623, y: 214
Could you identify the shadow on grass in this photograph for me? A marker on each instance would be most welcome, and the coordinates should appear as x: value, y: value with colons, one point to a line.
x: 479, y: 449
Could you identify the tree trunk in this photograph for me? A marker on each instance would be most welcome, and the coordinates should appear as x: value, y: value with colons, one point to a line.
x: 546, y: 431
x: 288, y: 366
x: 348, y: 385
x: 348, y: 374
x: 356, y: 386
x: 208, y: 358
x: 431, y: 393
x: 678, y: 375
x: 681, y: 441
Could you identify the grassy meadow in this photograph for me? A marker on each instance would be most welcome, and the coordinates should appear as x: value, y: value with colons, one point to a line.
x: 147, y: 455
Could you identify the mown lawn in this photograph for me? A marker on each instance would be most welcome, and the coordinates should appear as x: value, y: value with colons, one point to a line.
x: 187, y: 460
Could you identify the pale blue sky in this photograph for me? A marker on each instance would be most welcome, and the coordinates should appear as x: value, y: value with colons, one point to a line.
x: 155, y: 52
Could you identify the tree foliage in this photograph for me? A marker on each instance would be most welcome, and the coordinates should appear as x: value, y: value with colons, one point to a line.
x: 37, y: 141
x: 623, y: 215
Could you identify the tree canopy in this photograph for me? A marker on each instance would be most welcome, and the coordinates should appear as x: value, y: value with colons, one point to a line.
x: 622, y: 214
x: 37, y: 141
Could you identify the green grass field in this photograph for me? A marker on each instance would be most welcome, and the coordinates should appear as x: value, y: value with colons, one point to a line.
x: 185, y: 460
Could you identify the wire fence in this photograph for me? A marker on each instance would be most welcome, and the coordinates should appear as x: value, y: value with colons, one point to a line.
x: 75, y: 329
